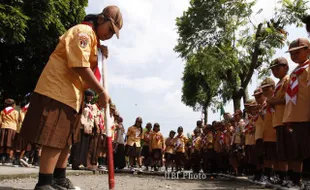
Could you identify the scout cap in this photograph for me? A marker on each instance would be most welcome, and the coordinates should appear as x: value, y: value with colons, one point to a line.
x: 267, y: 82
x: 9, y: 101
x: 299, y: 44
x: 113, y: 14
x: 238, y: 112
x: 112, y: 106
x: 258, y: 91
x: 89, y: 93
x: 278, y: 61
x: 249, y: 102
x: 254, y: 104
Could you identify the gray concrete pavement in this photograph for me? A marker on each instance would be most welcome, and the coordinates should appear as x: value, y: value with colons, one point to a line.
x: 136, y: 182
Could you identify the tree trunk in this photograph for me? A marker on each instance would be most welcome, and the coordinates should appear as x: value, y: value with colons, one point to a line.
x: 237, y: 101
x: 245, y: 95
x: 205, y: 115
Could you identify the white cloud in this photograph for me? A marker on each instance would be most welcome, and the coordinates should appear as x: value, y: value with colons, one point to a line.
x: 144, y: 85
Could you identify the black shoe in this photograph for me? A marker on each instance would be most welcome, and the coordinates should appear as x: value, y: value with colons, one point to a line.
x: 44, y: 187
x: 64, y: 184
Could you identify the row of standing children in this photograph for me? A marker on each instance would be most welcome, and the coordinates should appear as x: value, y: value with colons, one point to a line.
x: 91, y: 149
x: 271, y: 141
x: 13, y: 148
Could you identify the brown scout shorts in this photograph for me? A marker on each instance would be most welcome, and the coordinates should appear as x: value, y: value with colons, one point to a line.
x: 7, y: 138
x: 284, y: 143
x: 300, y: 141
x: 270, y: 151
x: 50, y: 123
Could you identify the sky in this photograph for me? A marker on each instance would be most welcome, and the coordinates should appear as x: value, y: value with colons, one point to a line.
x: 144, y: 73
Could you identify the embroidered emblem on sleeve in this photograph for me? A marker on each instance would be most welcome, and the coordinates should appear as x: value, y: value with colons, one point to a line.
x: 83, y: 40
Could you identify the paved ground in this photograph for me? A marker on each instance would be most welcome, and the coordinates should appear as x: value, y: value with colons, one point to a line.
x: 20, y: 178
x: 135, y: 182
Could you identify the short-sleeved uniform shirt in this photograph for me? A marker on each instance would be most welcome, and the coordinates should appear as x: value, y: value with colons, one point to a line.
x: 259, y: 127
x: 277, y: 115
x: 218, y: 145
x: 169, y: 145
x: 146, y: 136
x: 197, y: 142
x: 9, y: 118
x: 299, y: 112
x: 76, y: 48
x: 249, y: 133
x: 180, y: 142
x: 207, y: 141
x: 134, y: 136
x: 157, y: 140
x: 270, y: 134
x: 22, y: 114
x: 239, y: 132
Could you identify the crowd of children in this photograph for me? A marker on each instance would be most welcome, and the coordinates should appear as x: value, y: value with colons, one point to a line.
x: 268, y: 140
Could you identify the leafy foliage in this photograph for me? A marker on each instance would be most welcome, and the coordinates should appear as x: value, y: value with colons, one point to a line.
x: 29, y: 33
x: 222, y: 47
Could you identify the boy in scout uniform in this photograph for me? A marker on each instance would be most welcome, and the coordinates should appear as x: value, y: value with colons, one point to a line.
x: 297, y: 110
x: 219, y: 146
x: 196, y: 150
x: 133, y: 145
x: 169, y: 152
x: 259, y: 130
x: 146, y: 146
x: 279, y: 68
x: 269, y: 135
x: 237, y: 143
x: 157, y: 146
x: 249, y: 133
x: 9, y: 119
x: 180, y: 143
x: 52, y: 116
x: 208, y: 148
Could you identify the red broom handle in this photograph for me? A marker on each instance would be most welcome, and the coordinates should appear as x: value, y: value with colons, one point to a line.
x: 108, y: 124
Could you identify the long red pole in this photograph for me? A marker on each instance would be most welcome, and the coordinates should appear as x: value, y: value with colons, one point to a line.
x: 108, y: 124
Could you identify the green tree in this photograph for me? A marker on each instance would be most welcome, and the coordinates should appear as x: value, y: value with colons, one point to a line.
x: 29, y: 33
x: 235, y: 46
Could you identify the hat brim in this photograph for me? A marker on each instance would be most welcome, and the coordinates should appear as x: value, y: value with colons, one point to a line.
x: 272, y: 66
x: 116, y: 30
x: 256, y: 94
x: 253, y: 105
x: 296, y: 48
x: 266, y: 85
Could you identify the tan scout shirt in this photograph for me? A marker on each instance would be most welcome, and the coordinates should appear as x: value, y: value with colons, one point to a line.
x: 169, y: 145
x: 157, y: 140
x: 250, y: 133
x: 22, y: 114
x: 218, y: 142
x: 238, y: 132
x: 269, y: 134
x: 88, y: 117
x: 299, y: 112
x: 76, y: 48
x: 134, y: 136
x: 277, y: 115
x: 9, y: 118
x: 180, y: 142
x: 208, y: 141
x: 146, y: 136
x: 197, y: 144
x: 259, y: 128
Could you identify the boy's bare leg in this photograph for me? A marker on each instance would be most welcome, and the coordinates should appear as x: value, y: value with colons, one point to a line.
x: 63, y: 158
x: 49, y: 158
